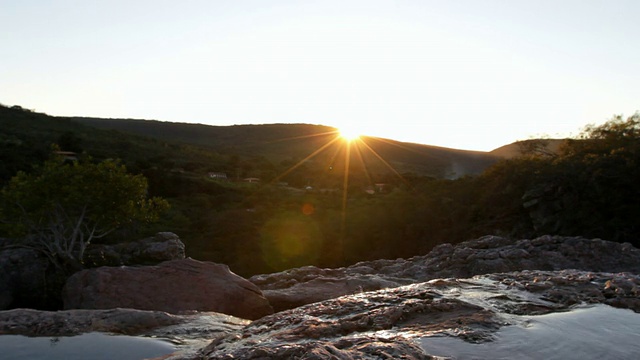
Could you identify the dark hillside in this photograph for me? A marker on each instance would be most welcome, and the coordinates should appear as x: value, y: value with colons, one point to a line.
x: 294, y: 142
x: 26, y: 138
x: 308, y: 208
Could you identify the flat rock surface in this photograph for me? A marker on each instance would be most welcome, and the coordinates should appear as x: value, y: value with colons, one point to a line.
x: 391, y: 323
x: 188, y: 332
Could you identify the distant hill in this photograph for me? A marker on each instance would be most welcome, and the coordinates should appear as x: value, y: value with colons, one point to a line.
x: 143, y: 141
x: 516, y: 149
x: 294, y: 142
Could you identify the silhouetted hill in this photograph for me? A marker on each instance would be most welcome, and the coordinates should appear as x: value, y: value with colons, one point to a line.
x: 517, y: 148
x: 326, y: 202
x: 295, y: 142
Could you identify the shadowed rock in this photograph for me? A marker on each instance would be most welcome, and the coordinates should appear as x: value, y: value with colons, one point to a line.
x: 173, y: 286
x: 489, y: 254
x: 163, y: 246
x: 25, y: 276
x: 29, y: 279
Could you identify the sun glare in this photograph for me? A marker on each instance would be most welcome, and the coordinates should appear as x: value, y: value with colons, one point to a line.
x: 349, y: 134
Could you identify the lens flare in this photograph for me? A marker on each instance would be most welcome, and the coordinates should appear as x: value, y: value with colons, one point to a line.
x: 290, y: 240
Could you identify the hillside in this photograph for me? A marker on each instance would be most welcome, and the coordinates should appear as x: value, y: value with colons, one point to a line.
x: 509, y: 151
x: 294, y: 142
x: 26, y: 138
x: 233, y: 222
x: 308, y: 207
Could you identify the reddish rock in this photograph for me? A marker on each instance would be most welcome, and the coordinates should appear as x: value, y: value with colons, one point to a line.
x: 172, y: 286
x: 322, y: 288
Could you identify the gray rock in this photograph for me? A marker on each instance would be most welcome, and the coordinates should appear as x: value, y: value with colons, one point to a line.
x: 488, y: 254
x: 164, y: 246
x: 325, y: 288
x: 387, y: 324
x: 188, y: 332
x: 173, y: 286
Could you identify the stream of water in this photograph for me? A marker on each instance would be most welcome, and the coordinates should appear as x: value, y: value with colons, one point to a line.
x: 596, y: 332
x: 95, y: 346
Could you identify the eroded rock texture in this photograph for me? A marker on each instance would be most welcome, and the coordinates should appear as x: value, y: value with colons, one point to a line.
x: 29, y: 279
x: 173, y: 286
x: 489, y: 254
x: 385, y: 324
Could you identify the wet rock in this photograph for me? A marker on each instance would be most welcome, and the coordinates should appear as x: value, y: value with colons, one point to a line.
x: 489, y: 254
x: 173, y: 286
x: 188, y: 332
x: 388, y: 323
x: 31, y: 322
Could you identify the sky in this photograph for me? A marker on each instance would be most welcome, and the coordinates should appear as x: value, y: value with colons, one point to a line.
x: 465, y: 74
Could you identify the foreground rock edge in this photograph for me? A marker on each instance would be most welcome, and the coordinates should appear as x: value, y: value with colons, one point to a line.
x: 385, y: 324
x: 486, y: 255
x: 188, y: 332
x: 370, y: 325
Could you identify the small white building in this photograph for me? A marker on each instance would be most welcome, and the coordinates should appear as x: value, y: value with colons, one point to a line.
x: 218, y: 175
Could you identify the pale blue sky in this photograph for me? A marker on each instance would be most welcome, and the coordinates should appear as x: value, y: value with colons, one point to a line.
x: 464, y: 74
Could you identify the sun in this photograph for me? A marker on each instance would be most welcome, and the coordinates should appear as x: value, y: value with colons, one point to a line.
x: 349, y: 133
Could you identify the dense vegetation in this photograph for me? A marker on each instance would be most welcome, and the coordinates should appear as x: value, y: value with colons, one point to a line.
x: 306, y: 212
x: 61, y: 207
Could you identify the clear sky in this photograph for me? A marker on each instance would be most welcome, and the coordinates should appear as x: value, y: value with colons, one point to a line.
x: 468, y: 74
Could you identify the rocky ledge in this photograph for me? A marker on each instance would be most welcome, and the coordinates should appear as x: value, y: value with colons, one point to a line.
x: 486, y: 255
x: 394, y: 323
x: 188, y: 332
x: 381, y: 309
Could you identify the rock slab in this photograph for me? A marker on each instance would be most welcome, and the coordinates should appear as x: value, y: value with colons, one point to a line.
x: 389, y: 323
x: 172, y: 286
x: 485, y: 255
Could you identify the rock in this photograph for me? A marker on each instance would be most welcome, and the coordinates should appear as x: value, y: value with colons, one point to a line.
x: 31, y: 322
x: 322, y: 288
x: 164, y: 246
x: 383, y: 324
x: 390, y: 323
x: 173, y: 286
x: 28, y: 279
x: 188, y: 332
x: 489, y: 254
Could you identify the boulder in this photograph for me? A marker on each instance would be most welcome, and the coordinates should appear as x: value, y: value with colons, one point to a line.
x: 28, y: 279
x: 172, y: 286
x: 164, y: 246
x: 488, y: 254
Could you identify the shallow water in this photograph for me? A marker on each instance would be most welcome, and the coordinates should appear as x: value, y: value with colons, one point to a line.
x: 95, y: 346
x: 597, y: 332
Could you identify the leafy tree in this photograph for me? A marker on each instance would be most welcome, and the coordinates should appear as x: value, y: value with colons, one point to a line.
x: 60, y: 208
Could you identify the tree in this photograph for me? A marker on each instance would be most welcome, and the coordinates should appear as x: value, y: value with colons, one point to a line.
x: 60, y: 208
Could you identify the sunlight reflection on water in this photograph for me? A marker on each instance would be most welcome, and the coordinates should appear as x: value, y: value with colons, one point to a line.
x: 95, y: 346
x: 597, y: 332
